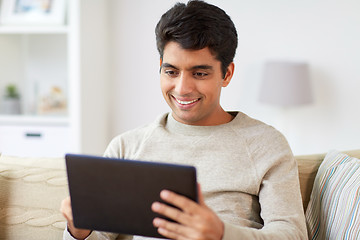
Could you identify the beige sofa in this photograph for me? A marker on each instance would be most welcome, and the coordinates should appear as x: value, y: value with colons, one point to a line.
x: 308, y: 166
x: 31, y: 190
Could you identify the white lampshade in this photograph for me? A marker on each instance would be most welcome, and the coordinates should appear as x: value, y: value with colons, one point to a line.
x: 286, y: 84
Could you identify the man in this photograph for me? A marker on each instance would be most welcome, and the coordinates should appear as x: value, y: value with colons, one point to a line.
x: 248, y: 175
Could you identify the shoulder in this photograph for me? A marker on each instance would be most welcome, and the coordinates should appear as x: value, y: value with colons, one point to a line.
x: 263, y: 142
x: 143, y: 131
x: 132, y: 139
x: 253, y: 128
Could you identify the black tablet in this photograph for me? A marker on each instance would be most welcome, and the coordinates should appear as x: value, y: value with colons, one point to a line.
x: 115, y: 195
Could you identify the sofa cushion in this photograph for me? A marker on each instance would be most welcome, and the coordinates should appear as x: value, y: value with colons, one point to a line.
x: 308, y: 166
x: 31, y: 190
x: 334, y: 204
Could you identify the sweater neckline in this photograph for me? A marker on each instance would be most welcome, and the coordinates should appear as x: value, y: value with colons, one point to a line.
x: 184, y: 129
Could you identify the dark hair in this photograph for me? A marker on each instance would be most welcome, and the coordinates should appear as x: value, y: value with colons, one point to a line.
x: 197, y: 25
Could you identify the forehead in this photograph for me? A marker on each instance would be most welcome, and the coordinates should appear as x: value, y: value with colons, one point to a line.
x: 176, y: 55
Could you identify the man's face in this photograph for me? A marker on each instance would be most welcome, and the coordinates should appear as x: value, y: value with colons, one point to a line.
x: 191, y: 82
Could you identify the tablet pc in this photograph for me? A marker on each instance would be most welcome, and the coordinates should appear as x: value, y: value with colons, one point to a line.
x: 115, y: 195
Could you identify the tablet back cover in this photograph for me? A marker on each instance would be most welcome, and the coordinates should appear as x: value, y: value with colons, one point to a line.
x: 115, y: 195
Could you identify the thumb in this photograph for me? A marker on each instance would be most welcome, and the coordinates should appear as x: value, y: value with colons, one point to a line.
x: 200, y: 195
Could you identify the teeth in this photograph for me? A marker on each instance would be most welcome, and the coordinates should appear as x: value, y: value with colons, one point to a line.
x: 186, y: 102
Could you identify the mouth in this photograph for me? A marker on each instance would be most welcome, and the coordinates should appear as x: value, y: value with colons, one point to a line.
x: 186, y: 104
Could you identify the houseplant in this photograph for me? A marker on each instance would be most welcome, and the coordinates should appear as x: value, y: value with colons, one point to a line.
x: 11, y: 100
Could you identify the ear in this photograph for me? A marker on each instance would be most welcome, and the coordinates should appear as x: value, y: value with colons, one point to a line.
x: 229, y: 74
x: 160, y: 65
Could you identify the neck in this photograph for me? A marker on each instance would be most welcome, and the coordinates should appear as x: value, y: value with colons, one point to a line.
x: 220, y: 118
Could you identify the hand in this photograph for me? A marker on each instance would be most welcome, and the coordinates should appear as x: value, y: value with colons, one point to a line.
x: 67, y: 212
x: 193, y: 221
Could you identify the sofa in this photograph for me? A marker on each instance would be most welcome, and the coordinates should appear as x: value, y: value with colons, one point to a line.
x: 31, y: 190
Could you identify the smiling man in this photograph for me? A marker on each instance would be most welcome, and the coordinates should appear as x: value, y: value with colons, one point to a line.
x: 246, y: 170
x: 191, y: 83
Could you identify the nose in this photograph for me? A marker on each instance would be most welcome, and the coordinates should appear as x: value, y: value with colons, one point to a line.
x: 184, y: 84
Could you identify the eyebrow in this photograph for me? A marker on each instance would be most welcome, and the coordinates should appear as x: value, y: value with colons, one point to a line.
x: 205, y: 67
x: 168, y: 65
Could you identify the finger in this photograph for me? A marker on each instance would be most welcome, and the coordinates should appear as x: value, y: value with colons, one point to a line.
x: 172, y: 230
x: 200, y: 195
x: 168, y: 234
x: 65, y: 209
x: 170, y: 212
x: 179, y: 201
x: 171, y: 235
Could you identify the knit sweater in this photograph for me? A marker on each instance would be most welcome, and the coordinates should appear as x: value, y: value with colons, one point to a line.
x: 247, y: 172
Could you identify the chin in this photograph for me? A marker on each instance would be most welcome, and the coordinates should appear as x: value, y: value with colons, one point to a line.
x: 185, y: 118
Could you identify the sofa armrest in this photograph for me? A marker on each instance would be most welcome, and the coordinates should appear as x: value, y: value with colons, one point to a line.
x: 308, y: 167
x: 31, y: 191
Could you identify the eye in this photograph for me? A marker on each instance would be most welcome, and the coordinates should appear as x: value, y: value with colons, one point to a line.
x: 171, y: 73
x: 200, y: 74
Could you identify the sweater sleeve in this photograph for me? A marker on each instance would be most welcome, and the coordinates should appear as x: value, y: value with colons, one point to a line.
x: 279, y: 193
x: 281, y: 209
x: 95, y: 235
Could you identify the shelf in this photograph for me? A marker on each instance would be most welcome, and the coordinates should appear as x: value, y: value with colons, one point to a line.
x: 33, y: 29
x: 34, y: 120
x: 39, y: 59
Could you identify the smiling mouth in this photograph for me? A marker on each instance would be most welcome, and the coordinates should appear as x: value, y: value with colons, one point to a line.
x: 186, y: 103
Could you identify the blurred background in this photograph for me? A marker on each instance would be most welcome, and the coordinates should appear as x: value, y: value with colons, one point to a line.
x: 112, y: 67
x: 325, y: 34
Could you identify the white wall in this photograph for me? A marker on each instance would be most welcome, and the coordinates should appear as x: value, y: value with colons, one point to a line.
x: 94, y: 21
x: 324, y: 33
x: 135, y: 90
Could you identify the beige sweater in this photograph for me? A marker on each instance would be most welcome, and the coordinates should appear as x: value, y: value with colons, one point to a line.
x: 246, y: 170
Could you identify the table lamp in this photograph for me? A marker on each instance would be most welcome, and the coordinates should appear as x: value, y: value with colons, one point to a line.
x: 286, y: 84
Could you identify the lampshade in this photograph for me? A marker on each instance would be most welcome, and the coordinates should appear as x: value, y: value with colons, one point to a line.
x: 286, y: 84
